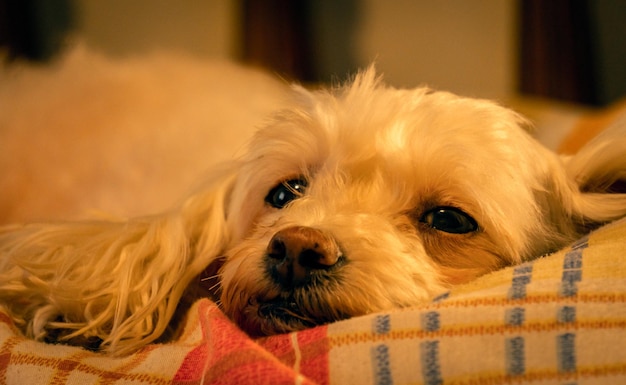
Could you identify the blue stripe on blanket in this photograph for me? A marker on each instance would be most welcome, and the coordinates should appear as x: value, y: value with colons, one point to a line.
x: 515, y: 316
x: 441, y: 297
x: 572, y: 268
x: 430, y: 321
x: 515, y: 356
x: 566, y: 352
x: 382, y: 324
x: 381, y: 361
x: 431, y: 368
x: 521, y: 277
x: 566, y: 314
x: 514, y: 347
x: 572, y: 274
x: 382, y: 365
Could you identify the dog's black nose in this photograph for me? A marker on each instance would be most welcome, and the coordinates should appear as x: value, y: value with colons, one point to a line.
x: 296, y: 252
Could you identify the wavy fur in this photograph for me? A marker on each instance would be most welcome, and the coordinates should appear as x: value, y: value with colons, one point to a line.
x: 111, y: 284
x: 375, y: 160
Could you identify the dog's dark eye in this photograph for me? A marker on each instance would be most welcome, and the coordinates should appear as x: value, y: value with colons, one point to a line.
x: 449, y: 220
x: 285, y: 192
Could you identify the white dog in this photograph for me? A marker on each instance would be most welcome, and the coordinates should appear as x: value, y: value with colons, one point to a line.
x: 351, y: 200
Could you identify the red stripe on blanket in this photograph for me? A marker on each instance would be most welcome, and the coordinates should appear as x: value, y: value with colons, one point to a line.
x: 227, y: 355
x: 313, y: 347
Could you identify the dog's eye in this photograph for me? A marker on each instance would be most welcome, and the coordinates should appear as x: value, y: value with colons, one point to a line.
x: 449, y: 220
x: 285, y: 192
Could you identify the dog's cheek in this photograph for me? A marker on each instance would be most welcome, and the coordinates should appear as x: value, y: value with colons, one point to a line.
x: 461, y: 258
x: 243, y: 278
x: 208, y: 284
x: 244, y: 216
x: 392, y: 271
x: 451, y: 276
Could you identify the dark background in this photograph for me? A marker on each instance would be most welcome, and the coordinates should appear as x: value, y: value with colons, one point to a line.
x: 564, y: 49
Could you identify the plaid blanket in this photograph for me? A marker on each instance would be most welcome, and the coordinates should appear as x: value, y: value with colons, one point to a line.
x: 560, y: 319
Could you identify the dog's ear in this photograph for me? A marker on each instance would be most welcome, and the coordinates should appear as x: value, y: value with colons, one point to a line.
x: 598, y: 171
x: 114, y: 284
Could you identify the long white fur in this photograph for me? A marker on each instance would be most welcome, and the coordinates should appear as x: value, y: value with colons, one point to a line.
x: 376, y: 158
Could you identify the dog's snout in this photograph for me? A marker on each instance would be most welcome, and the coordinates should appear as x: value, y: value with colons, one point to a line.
x: 295, y: 252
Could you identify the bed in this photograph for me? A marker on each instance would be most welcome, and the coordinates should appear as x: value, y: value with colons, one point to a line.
x: 560, y: 319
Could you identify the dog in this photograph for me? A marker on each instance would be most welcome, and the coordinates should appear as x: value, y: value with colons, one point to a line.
x: 349, y: 200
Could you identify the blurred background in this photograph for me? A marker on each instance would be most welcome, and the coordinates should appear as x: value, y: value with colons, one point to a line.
x: 567, y: 50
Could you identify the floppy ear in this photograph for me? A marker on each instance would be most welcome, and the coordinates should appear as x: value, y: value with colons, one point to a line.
x: 599, y: 171
x: 114, y: 285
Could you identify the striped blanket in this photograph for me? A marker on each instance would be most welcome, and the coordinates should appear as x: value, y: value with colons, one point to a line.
x: 560, y: 319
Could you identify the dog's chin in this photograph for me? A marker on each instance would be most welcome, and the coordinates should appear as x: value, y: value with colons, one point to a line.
x: 281, y: 315
x: 285, y: 313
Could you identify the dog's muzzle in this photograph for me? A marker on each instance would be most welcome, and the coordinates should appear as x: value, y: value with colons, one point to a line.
x: 298, y: 255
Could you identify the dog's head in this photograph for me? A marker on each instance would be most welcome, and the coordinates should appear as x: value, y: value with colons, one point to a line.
x: 367, y: 197
x: 353, y: 200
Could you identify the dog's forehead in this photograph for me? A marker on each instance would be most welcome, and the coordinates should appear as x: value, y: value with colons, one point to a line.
x: 392, y: 125
x: 369, y: 128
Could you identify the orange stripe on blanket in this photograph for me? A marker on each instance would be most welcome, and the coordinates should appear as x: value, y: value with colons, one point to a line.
x: 472, y: 330
x: 582, y: 297
x: 538, y: 375
x: 65, y: 366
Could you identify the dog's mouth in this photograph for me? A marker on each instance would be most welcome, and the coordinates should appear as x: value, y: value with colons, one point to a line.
x: 288, y: 312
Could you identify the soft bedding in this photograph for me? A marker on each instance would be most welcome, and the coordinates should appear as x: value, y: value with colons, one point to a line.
x: 560, y: 319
